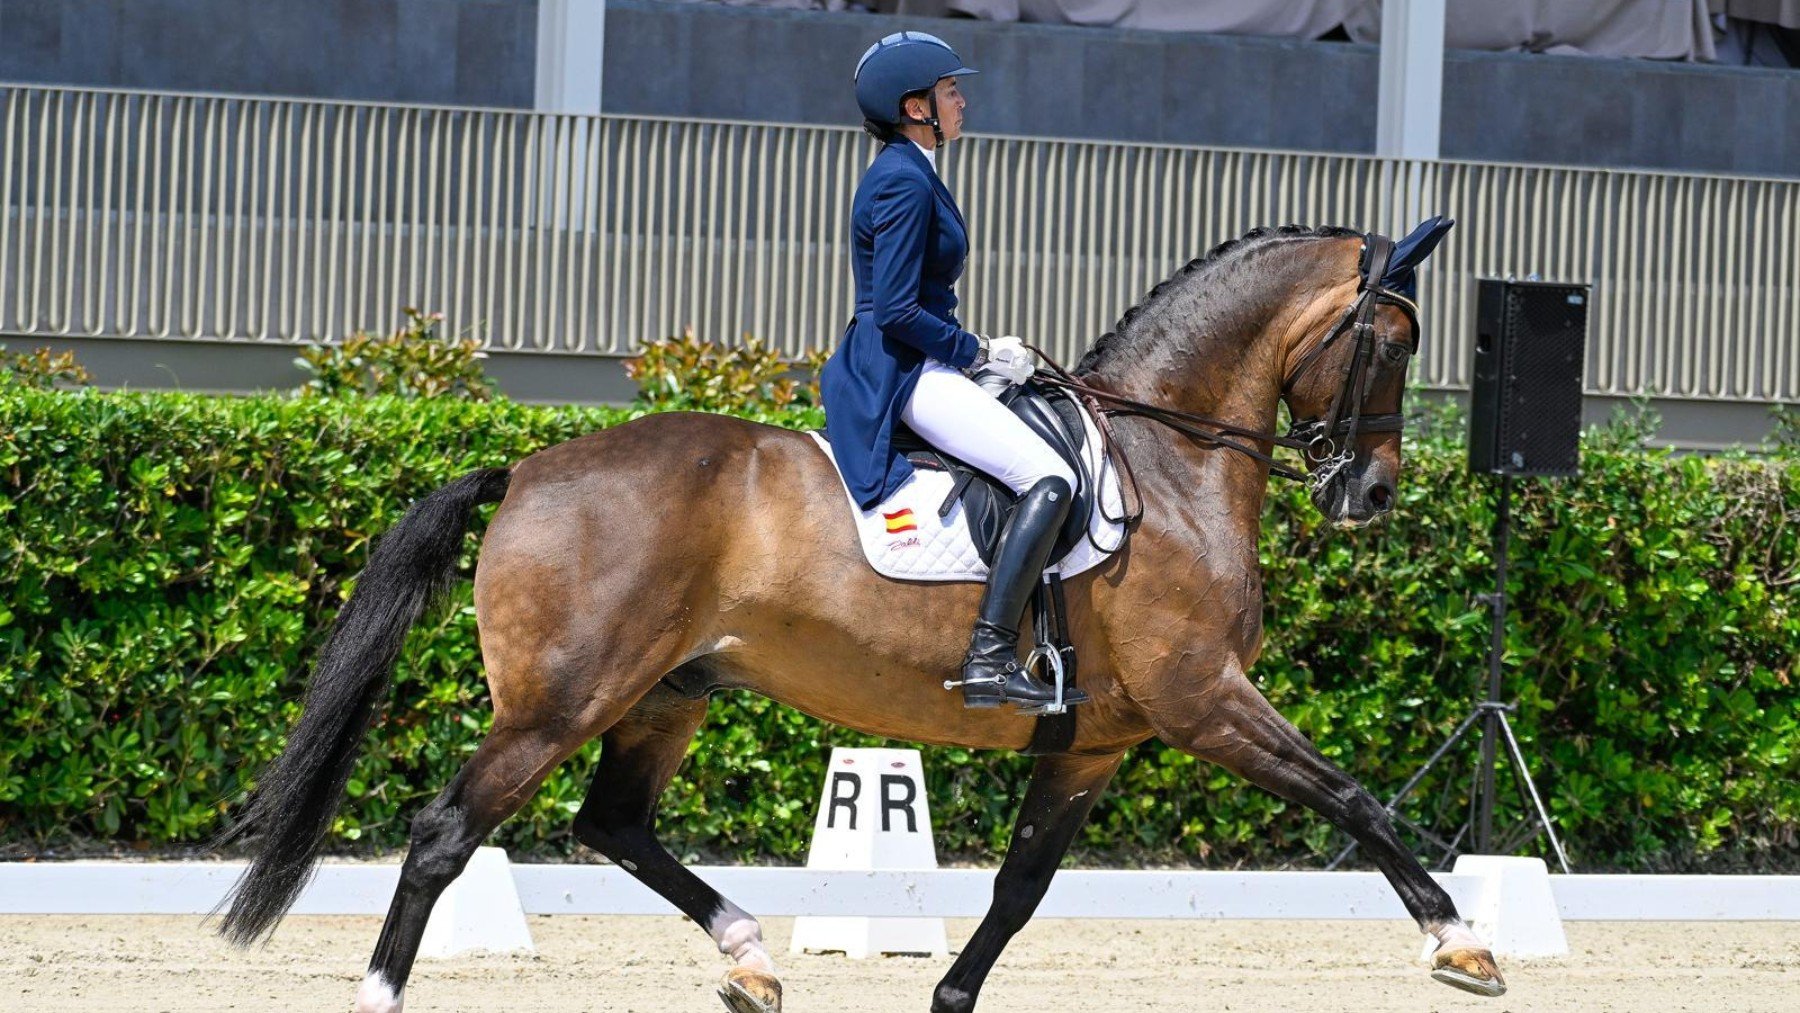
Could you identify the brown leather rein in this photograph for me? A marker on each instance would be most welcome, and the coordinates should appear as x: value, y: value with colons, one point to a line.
x: 1329, y: 443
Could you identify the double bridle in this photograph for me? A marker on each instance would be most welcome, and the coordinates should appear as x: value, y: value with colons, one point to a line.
x: 1329, y: 443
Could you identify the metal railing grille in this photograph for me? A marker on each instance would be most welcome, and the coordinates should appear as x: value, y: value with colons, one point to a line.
x: 224, y: 217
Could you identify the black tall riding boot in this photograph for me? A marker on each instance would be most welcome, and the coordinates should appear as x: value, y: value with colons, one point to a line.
x: 991, y: 673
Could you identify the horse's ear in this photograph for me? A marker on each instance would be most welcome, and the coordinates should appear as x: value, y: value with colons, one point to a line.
x: 1412, y: 251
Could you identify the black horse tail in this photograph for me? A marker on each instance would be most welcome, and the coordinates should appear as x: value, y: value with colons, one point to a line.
x: 299, y: 794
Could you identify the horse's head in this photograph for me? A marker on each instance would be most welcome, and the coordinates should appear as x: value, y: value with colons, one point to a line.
x: 1345, y: 376
x: 1322, y: 318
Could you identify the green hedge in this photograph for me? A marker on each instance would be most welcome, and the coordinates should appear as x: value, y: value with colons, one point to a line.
x: 168, y: 563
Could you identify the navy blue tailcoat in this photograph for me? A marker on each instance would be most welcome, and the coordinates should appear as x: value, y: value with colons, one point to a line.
x: 908, y: 244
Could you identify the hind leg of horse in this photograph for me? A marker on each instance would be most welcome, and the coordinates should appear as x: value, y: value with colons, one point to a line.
x: 1245, y: 734
x: 502, y: 774
x: 1063, y: 789
x: 638, y: 756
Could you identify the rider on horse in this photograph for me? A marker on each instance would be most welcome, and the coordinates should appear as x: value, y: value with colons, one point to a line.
x: 905, y: 358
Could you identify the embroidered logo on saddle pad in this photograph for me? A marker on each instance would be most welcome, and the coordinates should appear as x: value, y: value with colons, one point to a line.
x: 900, y: 520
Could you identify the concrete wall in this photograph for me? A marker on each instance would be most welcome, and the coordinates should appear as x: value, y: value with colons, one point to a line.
x: 714, y: 60
x: 1059, y: 81
x: 220, y: 367
x: 1037, y: 80
x: 241, y: 367
x: 1512, y: 107
x: 462, y: 52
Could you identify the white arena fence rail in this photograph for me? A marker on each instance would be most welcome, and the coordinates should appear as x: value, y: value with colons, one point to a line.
x: 218, y: 217
x: 116, y: 887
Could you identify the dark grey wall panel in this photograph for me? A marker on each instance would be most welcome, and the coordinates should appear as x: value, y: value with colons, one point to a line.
x: 30, y: 37
x: 1058, y: 81
x: 496, y: 52
x: 245, y: 367
x: 1514, y: 107
x: 708, y: 60
x: 221, y: 367
x: 465, y: 52
x: 713, y: 60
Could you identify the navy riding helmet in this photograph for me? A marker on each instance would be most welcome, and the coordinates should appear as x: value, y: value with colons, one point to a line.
x: 897, y: 66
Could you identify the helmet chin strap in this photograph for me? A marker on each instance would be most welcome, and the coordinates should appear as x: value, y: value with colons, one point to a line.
x: 931, y: 121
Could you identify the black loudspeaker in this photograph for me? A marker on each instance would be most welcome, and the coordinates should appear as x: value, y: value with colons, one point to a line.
x: 1525, y: 406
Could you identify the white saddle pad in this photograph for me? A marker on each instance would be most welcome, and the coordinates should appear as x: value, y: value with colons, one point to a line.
x: 904, y: 538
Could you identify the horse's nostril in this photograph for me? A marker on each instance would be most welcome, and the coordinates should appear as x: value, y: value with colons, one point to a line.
x: 1381, y: 497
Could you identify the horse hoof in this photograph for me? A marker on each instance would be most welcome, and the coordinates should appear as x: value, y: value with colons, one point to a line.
x: 1470, y: 970
x: 749, y: 991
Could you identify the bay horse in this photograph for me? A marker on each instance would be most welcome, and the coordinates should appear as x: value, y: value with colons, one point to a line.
x: 629, y: 574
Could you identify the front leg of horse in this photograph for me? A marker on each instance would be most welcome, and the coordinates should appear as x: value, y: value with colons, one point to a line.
x: 1233, y: 726
x: 1063, y: 789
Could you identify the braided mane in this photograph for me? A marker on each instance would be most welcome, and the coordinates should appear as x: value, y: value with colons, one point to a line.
x: 1116, y: 341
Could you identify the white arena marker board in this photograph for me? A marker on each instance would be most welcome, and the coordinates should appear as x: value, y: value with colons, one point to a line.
x: 479, y: 910
x: 872, y: 815
x: 1515, y: 910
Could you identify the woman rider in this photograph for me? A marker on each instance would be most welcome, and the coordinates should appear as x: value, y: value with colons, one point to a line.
x: 904, y: 356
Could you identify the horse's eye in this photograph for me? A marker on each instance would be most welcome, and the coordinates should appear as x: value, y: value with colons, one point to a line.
x: 1394, y: 354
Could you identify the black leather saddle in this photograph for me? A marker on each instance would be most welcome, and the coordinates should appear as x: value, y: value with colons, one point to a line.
x: 987, y: 503
x: 1054, y: 416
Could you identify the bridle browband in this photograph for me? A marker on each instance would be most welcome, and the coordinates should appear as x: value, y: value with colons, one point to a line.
x: 1328, y: 443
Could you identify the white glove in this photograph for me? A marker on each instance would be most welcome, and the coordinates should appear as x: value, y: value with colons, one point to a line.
x: 1009, y: 357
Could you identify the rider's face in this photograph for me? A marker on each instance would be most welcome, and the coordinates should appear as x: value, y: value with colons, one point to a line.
x: 950, y: 108
x: 950, y: 103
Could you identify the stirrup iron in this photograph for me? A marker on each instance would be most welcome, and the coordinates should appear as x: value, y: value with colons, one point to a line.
x: 1050, y: 654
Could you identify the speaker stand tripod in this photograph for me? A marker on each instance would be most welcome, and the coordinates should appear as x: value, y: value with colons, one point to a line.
x: 1491, y: 712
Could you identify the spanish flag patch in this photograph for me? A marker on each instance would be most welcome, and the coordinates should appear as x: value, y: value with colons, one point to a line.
x: 900, y: 520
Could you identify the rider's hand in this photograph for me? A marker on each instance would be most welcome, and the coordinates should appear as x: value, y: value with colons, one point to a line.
x: 1009, y: 357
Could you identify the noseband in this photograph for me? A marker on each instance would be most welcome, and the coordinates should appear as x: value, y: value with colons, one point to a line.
x: 1329, y: 443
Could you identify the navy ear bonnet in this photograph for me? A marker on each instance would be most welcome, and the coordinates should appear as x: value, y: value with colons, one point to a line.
x: 1411, y: 252
x: 899, y: 64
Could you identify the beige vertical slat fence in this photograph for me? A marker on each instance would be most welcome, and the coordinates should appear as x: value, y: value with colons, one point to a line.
x: 137, y: 214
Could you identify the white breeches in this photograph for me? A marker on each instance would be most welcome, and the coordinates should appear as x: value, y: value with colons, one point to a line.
x: 951, y: 413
